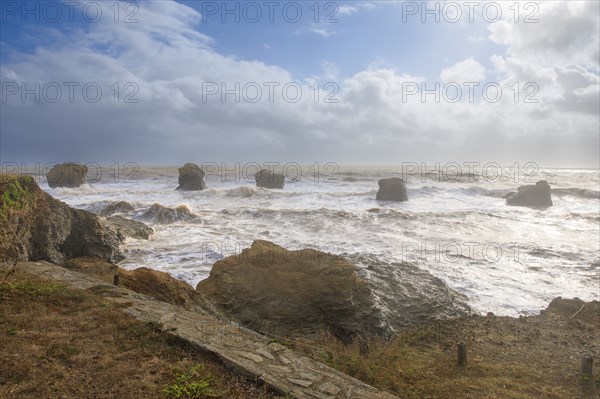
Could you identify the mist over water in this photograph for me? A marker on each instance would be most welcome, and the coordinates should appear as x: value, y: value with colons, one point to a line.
x: 508, y: 260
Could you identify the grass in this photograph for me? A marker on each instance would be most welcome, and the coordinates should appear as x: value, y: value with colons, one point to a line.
x: 419, y: 367
x: 58, y: 342
x: 14, y: 196
x: 196, y: 383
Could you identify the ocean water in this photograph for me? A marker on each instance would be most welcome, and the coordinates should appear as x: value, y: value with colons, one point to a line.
x: 508, y: 260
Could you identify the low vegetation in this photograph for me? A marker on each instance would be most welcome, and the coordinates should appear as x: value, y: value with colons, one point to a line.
x: 58, y: 342
x: 509, y: 358
x: 14, y: 195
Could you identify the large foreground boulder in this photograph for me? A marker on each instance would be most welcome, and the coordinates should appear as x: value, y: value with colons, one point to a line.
x: 35, y: 226
x: 392, y: 189
x: 268, y: 179
x: 537, y: 195
x: 293, y: 293
x: 67, y: 175
x: 165, y: 215
x: 191, y: 178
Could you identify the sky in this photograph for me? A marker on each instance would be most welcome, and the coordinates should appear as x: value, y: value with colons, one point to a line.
x: 354, y: 82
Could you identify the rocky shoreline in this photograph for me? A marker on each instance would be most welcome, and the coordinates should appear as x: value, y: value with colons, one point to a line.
x: 266, y: 288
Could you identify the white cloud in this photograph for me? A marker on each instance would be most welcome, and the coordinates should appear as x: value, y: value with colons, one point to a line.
x: 322, y: 30
x: 467, y: 70
x: 352, y: 8
x: 566, y: 32
x: 347, y: 10
x: 477, y: 39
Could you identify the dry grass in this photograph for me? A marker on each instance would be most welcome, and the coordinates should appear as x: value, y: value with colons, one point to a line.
x: 70, y: 344
x: 507, y: 358
x: 62, y: 343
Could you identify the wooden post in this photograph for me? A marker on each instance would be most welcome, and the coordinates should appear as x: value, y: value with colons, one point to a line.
x: 116, y: 279
x: 462, y: 355
x: 587, y: 379
x: 587, y: 364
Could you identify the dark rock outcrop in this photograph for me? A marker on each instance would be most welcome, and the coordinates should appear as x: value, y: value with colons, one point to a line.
x: 291, y: 293
x: 67, y: 175
x: 117, y: 207
x: 268, y: 179
x: 35, y: 226
x: 530, y: 195
x: 128, y: 228
x: 392, y: 189
x: 164, y: 215
x: 191, y: 178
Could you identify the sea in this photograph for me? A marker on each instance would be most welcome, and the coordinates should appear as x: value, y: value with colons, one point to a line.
x: 456, y: 225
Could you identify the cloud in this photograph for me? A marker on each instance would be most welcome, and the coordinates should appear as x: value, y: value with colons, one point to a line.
x: 372, y: 119
x: 347, y: 10
x: 467, y: 70
x: 566, y: 32
x: 477, y: 39
x: 322, y: 30
x: 352, y: 8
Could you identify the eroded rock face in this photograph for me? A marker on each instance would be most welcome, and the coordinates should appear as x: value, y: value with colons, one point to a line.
x: 392, y: 189
x: 295, y: 293
x: 164, y: 215
x: 191, y: 178
x: 67, y: 175
x: 128, y: 228
x: 268, y: 179
x: 117, y: 207
x: 530, y: 195
x: 35, y: 226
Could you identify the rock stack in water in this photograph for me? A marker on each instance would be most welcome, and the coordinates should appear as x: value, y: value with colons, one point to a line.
x: 117, y: 207
x: 67, y: 175
x: 537, y: 195
x: 268, y: 179
x: 164, y: 215
x: 191, y: 178
x: 392, y: 189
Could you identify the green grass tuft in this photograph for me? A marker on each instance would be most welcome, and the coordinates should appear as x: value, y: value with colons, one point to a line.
x: 193, y: 384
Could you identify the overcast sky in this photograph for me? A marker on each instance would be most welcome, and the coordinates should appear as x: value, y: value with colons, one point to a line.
x: 341, y: 82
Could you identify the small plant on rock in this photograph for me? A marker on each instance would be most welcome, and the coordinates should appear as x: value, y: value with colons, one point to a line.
x: 194, y: 384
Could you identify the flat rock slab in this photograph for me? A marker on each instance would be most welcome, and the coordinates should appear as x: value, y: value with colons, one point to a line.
x: 247, y: 352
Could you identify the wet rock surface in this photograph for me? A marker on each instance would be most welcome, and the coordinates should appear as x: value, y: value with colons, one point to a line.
x: 128, y: 228
x: 67, y: 175
x: 268, y: 179
x: 538, y: 195
x: 165, y: 215
x: 117, y: 207
x: 392, y: 189
x: 191, y: 178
